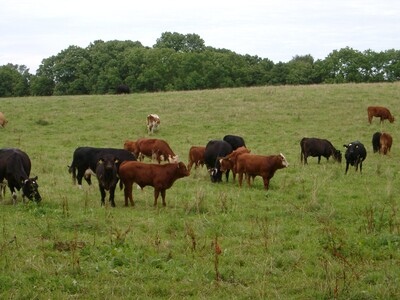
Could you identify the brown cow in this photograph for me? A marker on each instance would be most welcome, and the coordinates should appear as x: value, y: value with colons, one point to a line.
x: 155, y: 149
x: 379, y: 112
x: 153, y: 121
x: 259, y: 165
x: 161, y: 177
x: 3, y: 120
x: 229, y: 162
x: 385, y: 143
x: 196, y: 157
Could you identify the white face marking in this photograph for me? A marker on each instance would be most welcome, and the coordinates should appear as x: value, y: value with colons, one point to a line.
x: 284, y: 161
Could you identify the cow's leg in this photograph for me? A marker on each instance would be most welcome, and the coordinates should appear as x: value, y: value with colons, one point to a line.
x: 248, y: 177
x: 156, y: 193
x: 266, y: 183
x: 163, y: 197
x: 227, y: 175
x: 240, y: 179
x: 319, y: 159
x: 103, y: 195
x: 234, y: 176
x: 112, y: 192
x: 305, y: 159
x: 79, y: 177
x: 128, y: 193
x: 347, y: 167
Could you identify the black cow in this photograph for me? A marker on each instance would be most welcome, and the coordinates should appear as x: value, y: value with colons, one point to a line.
x: 123, y: 89
x: 85, y: 161
x: 318, y: 147
x: 376, y: 137
x: 216, y: 149
x: 355, y: 155
x: 235, y: 141
x: 15, y: 167
x: 106, y: 172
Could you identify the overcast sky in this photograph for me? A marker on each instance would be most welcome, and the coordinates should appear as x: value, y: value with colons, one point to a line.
x: 278, y: 30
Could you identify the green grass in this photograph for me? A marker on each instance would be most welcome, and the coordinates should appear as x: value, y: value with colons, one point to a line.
x: 317, y: 233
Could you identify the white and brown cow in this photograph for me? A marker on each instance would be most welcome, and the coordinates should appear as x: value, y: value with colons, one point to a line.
x: 153, y: 121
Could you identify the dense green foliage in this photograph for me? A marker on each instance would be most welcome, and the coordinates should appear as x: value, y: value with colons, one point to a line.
x: 182, y: 62
x: 316, y: 234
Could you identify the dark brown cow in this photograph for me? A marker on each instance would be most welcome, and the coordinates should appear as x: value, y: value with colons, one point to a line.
x: 379, y: 112
x: 153, y: 121
x: 229, y: 162
x: 161, y: 177
x: 385, y: 143
x: 196, y: 156
x: 259, y: 165
x: 155, y: 149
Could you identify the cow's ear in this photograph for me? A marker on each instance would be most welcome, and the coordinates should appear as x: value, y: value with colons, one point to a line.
x: 356, y: 146
x: 101, y: 161
x: 346, y: 146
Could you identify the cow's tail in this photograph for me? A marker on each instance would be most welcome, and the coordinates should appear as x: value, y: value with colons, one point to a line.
x: 72, y: 170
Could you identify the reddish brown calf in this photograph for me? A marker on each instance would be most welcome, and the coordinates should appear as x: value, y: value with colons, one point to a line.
x: 196, y: 157
x: 161, y: 177
x: 259, y: 165
x: 385, y: 143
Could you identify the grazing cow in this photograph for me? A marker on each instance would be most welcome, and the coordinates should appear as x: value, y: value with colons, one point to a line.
x: 229, y: 162
x: 156, y: 149
x: 153, y: 121
x: 382, y: 142
x: 106, y: 172
x: 379, y: 112
x: 259, y: 165
x: 216, y: 149
x: 86, y: 158
x: 318, y: 147
x: 3, y: 120
x: 123, y: 89
x: 196, y: 156
x: 15, y: 167
x: 235, y: 141
x: 355, y: 155
x: 161, y: 177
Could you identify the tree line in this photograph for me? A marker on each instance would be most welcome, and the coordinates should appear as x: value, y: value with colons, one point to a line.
x: 182, y: 62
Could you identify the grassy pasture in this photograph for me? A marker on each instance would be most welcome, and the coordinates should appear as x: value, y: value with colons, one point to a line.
x: 317, y: 233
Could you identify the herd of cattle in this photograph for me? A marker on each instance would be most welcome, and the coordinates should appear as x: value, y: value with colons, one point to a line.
x: 126, y: 165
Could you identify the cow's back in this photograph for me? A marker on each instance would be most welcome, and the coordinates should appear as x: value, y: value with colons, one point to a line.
x: 235, y: 141
x: 13, y: 161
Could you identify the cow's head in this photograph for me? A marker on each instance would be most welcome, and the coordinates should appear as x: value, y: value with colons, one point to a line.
x: 284, y: 161
x: 391, y: 119
x: 215, y: 173
x: 225, y: 164
x: 30, y: 189
x: 182, y: 170
x: 337, y: 155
